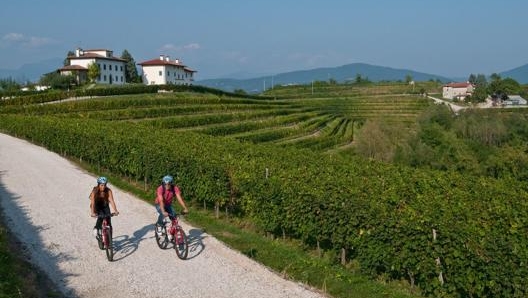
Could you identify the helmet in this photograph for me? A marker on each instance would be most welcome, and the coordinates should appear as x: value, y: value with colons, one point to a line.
x: 167, y: 179
x: 102, y: 180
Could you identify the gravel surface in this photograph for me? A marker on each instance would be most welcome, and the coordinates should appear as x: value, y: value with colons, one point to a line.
x: 45, y: 202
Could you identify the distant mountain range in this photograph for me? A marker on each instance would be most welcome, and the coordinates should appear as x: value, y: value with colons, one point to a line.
x: 32, y: 72
x: 342, y: 74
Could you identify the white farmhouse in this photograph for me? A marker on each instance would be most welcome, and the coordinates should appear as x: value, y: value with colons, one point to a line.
x: 457, y: 90
x: 111, y: 69
x: 163, y: 71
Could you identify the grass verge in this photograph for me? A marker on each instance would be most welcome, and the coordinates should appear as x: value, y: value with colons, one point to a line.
x: 19, y: 278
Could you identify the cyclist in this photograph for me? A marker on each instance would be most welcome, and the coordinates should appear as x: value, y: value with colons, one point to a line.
x: 165, y: 193
x: 101, y: 199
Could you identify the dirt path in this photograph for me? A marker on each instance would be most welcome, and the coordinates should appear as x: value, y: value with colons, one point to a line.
x: 45, y: 201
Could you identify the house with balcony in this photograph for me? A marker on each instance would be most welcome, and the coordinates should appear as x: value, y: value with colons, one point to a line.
x: 111, y: 69
x: 163, y: 70
x: 459, y: 90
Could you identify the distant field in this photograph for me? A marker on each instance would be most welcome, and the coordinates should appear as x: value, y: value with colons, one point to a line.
x: 319, y: 123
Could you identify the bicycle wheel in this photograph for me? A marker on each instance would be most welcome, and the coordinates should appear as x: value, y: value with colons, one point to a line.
x: 100, y: 242
x: 180, y: 243
x: 109, y: 244
x: 162, y: 239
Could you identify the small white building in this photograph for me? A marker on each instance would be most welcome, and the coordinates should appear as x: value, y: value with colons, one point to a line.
x: 457, y: 90
x: 112, y: 69
x: 514, y: 100
x: 164, y: 71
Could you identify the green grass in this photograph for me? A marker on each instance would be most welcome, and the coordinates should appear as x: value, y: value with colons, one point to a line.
x: 19, y: 278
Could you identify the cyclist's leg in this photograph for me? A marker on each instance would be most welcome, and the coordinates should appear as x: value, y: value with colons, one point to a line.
x: 99, y: 221
x: 108, y: 215
x: 160, y: 216
x: 170, y: 210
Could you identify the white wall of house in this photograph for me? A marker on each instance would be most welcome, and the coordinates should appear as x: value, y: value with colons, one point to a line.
x: 112, y: 71
x: 154, y: 75
x: 166, y: 72
x: 457, y: 90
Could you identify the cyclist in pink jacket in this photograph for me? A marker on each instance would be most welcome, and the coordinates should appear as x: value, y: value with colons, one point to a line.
x: 165, y: 193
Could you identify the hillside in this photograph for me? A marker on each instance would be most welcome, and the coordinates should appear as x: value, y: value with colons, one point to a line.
x: 520, y: 74
x: 340, y: 74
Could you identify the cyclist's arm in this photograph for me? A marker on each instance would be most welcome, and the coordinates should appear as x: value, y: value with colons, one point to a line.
x: 181, y: 202
x: 159, y: 198
x: 92, y: 203
x: 112, y: 202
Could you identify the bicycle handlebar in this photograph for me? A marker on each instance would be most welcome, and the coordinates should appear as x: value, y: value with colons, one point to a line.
x: 103, y: 215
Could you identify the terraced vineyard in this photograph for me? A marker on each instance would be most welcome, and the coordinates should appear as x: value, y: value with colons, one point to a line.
x: 239, y: 156
x: 321, y: 124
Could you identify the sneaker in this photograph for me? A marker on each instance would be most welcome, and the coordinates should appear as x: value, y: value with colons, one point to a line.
x: 159, y: 230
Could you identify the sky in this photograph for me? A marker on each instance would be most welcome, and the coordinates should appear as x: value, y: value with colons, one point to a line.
x: 244, y: 38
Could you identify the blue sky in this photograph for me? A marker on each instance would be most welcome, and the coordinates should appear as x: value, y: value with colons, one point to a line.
x: 220, y: 38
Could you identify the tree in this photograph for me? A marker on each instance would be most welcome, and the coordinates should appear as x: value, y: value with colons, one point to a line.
x: 500, y: 88
x: 9, y: 85
x: 472, y: 79
x: 93, y: 71
x: 510, y: 86
x: 480, y: 94
x: 131, y: 73
x: 481, y: 80
x: 57, y: 81
x: 67, y: 60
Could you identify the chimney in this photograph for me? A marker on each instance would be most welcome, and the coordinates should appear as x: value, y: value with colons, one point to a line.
x: 177, y: 61
x: 167, y: 58
x: 162, y: 58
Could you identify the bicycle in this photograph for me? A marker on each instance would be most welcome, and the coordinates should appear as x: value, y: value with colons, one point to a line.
x: 104, y: 239
x: 176, y: 235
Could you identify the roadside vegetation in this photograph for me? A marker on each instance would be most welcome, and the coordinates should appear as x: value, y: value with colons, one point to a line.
x: 18, y: 277
x: 367, y: 188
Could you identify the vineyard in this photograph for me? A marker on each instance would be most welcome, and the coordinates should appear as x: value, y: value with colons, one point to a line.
x: 271, y: 161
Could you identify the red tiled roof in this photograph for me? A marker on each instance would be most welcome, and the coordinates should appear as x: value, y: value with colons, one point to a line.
x: 73, y: 67
x: 159, y: 62
x: 95, y: 56
x: 458, y: 85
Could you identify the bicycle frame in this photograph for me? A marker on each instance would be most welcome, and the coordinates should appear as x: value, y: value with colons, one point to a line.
x: 175, y: 235
x: 105, y: 241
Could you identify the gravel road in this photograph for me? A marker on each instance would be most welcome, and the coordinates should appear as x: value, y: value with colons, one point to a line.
x: 45, y: 202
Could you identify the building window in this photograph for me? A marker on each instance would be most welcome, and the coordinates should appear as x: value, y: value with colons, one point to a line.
x: 110, y: 67
x: 160, y: 73
x: 121, y: 68
x: 104, y: 67
x: 104, y: 78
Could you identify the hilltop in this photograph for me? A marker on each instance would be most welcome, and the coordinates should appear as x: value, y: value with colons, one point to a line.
x: 340, y: 74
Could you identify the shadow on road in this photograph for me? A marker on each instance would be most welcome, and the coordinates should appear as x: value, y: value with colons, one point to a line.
x: 18, y: 221
x: 196, y: 245
x: 125, y: 245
